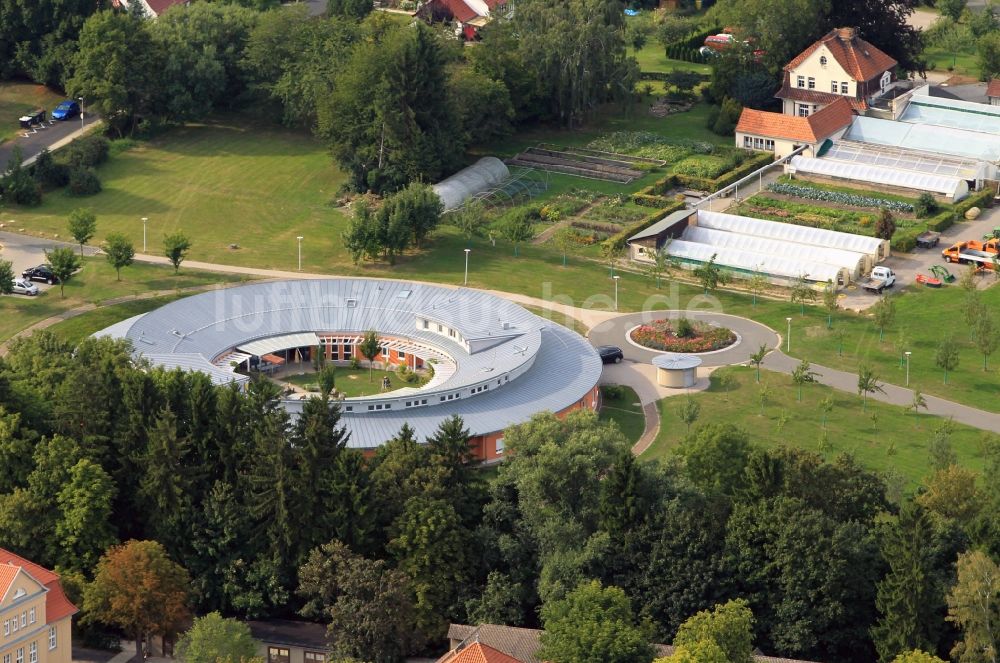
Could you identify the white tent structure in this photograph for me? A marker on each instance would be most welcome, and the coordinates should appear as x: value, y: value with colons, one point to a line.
x: 485, y: 174
x: 855, y: 263
x: 745, y: 263
x: 952, y: 188
x: 877, y: 249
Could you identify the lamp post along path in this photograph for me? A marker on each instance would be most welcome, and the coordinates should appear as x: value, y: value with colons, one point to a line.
x: 788, y: 336
x: 299, y: 238
x: 144, y: 220
x: 466, y: 280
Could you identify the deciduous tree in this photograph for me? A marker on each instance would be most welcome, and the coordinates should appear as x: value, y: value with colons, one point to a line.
x: 119, y: 252
x: 175, y: 248
x: 64, y: 263
x: 974, y: 606
x: 82, y: 226
x: 728, y: 626
x: 214, y: 638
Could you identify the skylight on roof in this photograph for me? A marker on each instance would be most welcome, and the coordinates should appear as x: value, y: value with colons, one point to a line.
x: 403, y: 294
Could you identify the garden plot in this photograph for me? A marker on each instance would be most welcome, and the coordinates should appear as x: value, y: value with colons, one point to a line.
x: 677, y: 156
x: 572, y: 162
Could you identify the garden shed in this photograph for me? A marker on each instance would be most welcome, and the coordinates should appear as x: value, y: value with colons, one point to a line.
x: 481, y: 176
x: 945, y: 188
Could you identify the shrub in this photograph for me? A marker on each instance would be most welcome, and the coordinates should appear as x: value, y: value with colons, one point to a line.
x: 840, y: 197
x: 905, y: 241
x: 48, y: 173
x: 925, y: 205
x: 83, y: 182
x: 684, y: 328
x: 88, y: 151
x: 613, y: 391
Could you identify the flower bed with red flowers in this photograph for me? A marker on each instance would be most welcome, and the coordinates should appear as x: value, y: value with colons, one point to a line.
x: 682, y: 336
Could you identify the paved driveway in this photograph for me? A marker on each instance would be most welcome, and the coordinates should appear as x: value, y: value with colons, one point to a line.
x: 43, y: 138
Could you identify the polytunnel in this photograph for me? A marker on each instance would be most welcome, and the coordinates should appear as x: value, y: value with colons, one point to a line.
x: 874, y: 247
x: 953, y: 188
x: 485, y: 174
x: 855, y: 263
x: 746, y: 263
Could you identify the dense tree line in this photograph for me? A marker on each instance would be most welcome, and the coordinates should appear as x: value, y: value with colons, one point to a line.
x: 273, y: 516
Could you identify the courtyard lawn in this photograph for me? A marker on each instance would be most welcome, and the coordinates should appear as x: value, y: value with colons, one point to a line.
x: 895, y: 443
x: 620, y: 404
x: 652, y: 58
x: 966, y: 60
x: 352, y: 382
x: 93, y: 284
x: 17, y: 98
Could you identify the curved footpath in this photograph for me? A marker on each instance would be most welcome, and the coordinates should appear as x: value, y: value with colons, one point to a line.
x: 610, y: 328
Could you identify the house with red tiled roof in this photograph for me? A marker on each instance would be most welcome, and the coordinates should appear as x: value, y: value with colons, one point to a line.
x: 783, y: 134
x: 153, y: 8
x: 839, y: 65
x: 469, y: 16
x: 36, y: 617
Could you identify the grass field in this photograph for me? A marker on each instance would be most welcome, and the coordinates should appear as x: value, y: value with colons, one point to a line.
x: 93, y: 284
x: 226, y: 183
x: 624, y: 409
x: 353, y: 382
x: 17, y: 98
x: 896, y: 442
x: 966, y: 61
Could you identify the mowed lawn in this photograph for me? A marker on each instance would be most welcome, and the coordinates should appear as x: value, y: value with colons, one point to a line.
x: 225, y: 183
x: 17, y: 98
x: 896, y: 442
x: 93, y: 284
x: 621, y: 405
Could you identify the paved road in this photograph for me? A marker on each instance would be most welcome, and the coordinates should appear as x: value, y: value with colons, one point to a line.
x: 53, y: 134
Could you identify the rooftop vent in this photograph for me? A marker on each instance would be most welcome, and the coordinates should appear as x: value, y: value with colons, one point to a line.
x: 506, y: 325
x: 403, y: 294
x: 351, y: 303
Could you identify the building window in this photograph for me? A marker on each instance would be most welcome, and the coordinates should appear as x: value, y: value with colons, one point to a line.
x: 499, y: 447
x: 803, y: 110
x: 19, y: 656
x: 24, y: 619
x: 315, y: 657
x: 801, y: 81
x: 833, y: 87
x: 843, y: 88
x: 769, y: 145
x: 277, y: 655
x: 400, y: 354
x: 822, y: 60
x: 6, y: 658
x: 33, y: 652
x: 52, y: 637
x: 427, y: 325
x: 812, y: 83
x: 747, y: 142
x: 13, y: 625
x: 6, y: 627
x: 31, y: 616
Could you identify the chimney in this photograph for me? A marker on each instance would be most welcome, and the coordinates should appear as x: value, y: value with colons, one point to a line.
x: 846, y: 34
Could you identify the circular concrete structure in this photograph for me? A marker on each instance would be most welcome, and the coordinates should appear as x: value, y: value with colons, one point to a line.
x: 676, y: 371
x: 494, y: 363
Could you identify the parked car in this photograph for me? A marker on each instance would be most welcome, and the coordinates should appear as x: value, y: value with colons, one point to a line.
x: 67, y: 110
x: 41, y: 273
x: 610, y: 354
x: 25, y: 287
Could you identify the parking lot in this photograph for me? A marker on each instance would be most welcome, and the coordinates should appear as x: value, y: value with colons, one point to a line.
x: 39, y: 139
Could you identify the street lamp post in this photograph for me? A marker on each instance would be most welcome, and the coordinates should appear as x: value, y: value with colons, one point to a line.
x: 466, y: 281
x: 81, y: 112
x: 144, y: 220
x: 788, y: 336
x: 616, y: 278
x: 299, y: 238
x: 907, y: 353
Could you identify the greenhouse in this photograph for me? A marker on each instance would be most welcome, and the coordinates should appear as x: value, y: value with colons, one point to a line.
x: 877, y: 249
x: 854, y: 263
x: 481, y: 176
x: 954, y: 113
x: 931, y: 138
x: 776, y: 269
x: 909, y: 182
x: 894, y: 157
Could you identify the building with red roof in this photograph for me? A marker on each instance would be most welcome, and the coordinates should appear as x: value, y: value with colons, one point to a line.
x: 839, y: 65
x: 153, y: 8
x: 36, y: 616
x: 783, y: 134
x: 469, y: 16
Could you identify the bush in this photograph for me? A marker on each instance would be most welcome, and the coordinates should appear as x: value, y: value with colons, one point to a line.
x: 925, y: 205
x: 48, y: 173
x: 83, y: 182
x: 21, y: 191
x: 905, y: 241
x: 839, y: 197
x: 88, y: 151
x: 684, y: 328
x: 613, y: 391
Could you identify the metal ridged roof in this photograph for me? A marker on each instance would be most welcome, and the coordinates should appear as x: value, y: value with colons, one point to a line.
x: 550, y: 367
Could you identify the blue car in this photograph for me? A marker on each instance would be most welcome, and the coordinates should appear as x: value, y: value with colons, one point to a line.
x: 66, y: 110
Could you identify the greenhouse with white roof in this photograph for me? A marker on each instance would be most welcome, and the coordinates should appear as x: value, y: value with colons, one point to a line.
x: 912, y: 182
x: 782, y: 252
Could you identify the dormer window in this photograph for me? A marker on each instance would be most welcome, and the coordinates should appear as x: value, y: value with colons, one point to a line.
x: 822, y: 60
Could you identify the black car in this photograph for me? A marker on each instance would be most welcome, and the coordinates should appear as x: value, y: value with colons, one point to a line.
x: 610, y: 354
x: 40, y: 273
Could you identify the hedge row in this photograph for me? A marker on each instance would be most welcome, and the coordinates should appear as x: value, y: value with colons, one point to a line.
x: 665, y: 75
x: 619, y: 238
x: 946, y: 219
x: 685, y: 54
x: 712, y: 185
x: 905, y: 240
